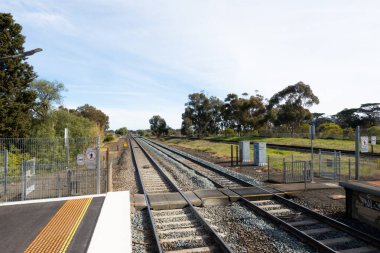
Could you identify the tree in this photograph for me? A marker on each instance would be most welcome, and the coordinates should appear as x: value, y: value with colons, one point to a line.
x: 158, y: 125
x: 48, y: 94
x: 287, y: 107
x: 121, y: 131
x: 90, y: 112
x: 202, y: 115
x: 16, y: 97
x: 244, y: 114
x: 348, y: 118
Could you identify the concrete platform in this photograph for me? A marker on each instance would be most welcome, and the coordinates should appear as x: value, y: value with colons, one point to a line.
x: 69, y: 224
x: 211, y: 197
x: 113, y: 229
x: 363, y: 201
x: 297, y: 187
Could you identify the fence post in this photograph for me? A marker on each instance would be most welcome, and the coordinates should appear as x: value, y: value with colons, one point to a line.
x: 237, y: 155
x: 109, y: 179
x: 335, y: 164
x: 349, y: 168
x: 232, y: 155
x: 284, y: 170
x: 339, y: 164
x: 304, y: 173
x: 268, y: 168
x: 98, y: 165
x: 5, y: 170
x: 320, y: 162
x: 59, y: 184
x: 292, y: 165
x: 23, y: 179
x: 357, y: 152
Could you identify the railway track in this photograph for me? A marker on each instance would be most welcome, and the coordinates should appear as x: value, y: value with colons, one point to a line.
x: 175, y: 230
x: 319, y: 231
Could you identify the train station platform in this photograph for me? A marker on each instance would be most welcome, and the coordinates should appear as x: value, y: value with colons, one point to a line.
x: 363, y: 201
x: 93, y: 223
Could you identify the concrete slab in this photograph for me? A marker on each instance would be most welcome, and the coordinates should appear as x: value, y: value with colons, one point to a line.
x: 232, y: 196
x: 295, y: 187
x: 113, y: 229
x: 193, y: 198
x: 211, y: 197
x: 158, y: 201
x: 138, y: 202
x: 254, y: 193
x: 175, y: 200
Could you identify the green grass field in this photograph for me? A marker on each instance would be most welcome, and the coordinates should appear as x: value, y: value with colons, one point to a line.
x: 223, y: 151
x: 303, y: 142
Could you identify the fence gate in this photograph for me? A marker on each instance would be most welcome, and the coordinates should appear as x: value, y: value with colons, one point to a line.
x: 329, y: 164
x: 29, y: 177
x: 297, y: 171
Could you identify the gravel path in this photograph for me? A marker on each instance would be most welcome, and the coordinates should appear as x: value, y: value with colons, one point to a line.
x: 124, y: 175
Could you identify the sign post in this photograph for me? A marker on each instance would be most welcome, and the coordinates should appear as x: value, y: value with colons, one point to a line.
x: 373, y: 142
x: 312, y: 136
x: 357, y: 152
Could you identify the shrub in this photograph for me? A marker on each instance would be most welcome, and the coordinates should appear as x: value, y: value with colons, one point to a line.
x: 330, y: 131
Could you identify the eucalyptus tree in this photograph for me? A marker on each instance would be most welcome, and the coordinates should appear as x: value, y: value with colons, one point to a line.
x: 289, y: 106
x: 158, y: 125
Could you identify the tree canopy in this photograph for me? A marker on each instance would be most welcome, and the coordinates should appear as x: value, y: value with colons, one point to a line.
x: 158, y: 125
x: 16, y: 97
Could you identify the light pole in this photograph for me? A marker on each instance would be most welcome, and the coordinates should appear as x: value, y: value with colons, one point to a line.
x: 27, y: 53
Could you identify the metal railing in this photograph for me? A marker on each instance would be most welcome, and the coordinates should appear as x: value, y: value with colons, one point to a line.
x: 48, y: 168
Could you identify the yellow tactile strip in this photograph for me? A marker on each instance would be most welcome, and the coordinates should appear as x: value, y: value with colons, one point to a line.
x: 58, y: 233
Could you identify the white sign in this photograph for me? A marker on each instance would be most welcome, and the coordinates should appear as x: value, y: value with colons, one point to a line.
x: 91, y: 158
x: 364, y: 141
x: 80, y: 159
x: 373, y: 140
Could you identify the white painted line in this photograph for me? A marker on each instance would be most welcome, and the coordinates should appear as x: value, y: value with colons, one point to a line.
x: 34, y: 201
x: 113, y: 229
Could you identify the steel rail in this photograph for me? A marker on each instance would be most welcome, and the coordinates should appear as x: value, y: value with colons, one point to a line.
x: 153, y: 225
x: 334, y: 223
x: 222, y: 245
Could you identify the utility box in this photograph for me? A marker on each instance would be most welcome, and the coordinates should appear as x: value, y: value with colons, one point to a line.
x: 244, y: 152
x: 260, y: 154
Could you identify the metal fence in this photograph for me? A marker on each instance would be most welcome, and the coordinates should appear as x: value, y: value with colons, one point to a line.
x: 289, y: 171
x: 48, y: 168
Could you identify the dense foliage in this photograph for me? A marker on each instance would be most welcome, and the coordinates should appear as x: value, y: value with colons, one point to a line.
x: 16, y: 97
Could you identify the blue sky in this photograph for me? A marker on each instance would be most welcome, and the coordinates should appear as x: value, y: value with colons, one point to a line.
x: 136, y: 59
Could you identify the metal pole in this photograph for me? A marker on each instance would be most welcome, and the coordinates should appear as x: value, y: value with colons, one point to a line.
x: 339, y: 164
x: 237, y: 155
x: 268, y: 167
x: 67, y: 148
x: 320, y: 162
x: 312, y: 160
x: 357, y: 152
x: 232, y: 155
x: 349, y: 168
x: 304, y: 173
x: 5, y: 170
x: 23, y: 180
x: 98, y: 165
x: 284, y: 170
